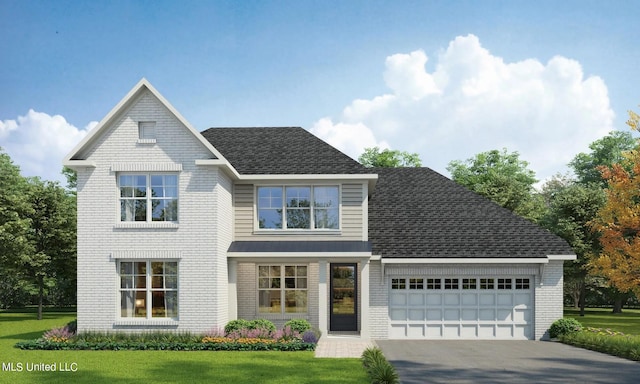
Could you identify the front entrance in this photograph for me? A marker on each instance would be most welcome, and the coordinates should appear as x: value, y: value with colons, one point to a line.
x: 344, y: 297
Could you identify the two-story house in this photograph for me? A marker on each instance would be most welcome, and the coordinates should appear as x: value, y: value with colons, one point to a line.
x: 186, y: 230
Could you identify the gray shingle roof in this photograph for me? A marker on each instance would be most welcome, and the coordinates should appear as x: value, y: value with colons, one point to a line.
x: 416, y: 212
x: 286, y: 150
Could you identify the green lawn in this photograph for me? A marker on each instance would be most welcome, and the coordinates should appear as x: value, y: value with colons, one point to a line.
x: 627, y: 322
x: 97, y: 367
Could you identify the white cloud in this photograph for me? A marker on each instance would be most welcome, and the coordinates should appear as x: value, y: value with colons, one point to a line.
x: 37, y: 143
x: 474, y: 101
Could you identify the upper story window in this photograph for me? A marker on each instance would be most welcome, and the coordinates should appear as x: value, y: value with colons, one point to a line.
x: 148, y: 197
x: 299, y: 207
x: 146, y: 130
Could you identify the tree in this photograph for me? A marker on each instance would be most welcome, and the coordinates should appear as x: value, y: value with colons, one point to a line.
x: 52, y: 236
x: 571, y: 206
x: 387, y: 158
x: 503, y: 178
x: 72, y: 178
x: 618, y: 222
x: 14, y: 228
x: 604, y: 152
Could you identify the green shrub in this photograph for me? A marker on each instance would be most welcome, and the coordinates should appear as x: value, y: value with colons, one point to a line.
x: 299, y: 325
x: 379, y: 370
x: 237, y: 325
x: 263, y: 324
x: 605, y: 341
x: 563, y: 327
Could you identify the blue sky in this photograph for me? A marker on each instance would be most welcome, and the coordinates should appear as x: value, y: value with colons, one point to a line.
x: 446, y: 79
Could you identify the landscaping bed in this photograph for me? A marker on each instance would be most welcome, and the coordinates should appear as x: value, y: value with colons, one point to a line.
x: 611, y: 341
x: 238, y: 335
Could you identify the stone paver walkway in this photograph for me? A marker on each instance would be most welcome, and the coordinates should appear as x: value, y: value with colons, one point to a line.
x: 342, y: 346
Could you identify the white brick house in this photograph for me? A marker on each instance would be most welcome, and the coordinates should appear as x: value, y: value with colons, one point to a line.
x: 186, y: 230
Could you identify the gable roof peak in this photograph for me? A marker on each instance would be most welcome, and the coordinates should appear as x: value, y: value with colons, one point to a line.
x: 140, y: 87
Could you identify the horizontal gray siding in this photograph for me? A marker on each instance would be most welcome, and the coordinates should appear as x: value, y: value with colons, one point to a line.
x: 352, y: 226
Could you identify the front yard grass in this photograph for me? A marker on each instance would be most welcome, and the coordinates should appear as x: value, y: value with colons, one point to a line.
x: 627, y: 322
x: 98, y: 367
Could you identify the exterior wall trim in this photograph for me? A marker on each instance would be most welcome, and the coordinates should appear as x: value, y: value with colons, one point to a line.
x: 146, y: 167
x: 147, y: 254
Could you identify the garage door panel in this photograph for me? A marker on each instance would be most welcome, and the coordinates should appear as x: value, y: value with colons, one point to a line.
x: 469, y: 299
x: 469, y: 314
x: 469, y: 331
x: 486, y: 331
x: 451, y: 331
x: 434, y: 331
x: 416, y: 299
x: 398, y: 314
x: 398, y: 299
x: 451, y: 299
x: 416, y: 331
x: 487, y: 314
x: 522, y: 315
x: 504, y: 314
x: 504, y: 331
x: 451, y: 314
x: 434, y: 299
x: 434, y: 314
x: 505, y: 299
x: 398, y: 331
x: 416, y: 314
x: 487, y: 299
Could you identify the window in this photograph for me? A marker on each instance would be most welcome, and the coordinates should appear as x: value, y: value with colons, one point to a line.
x: 282, y: 289
x: 487, y: 284
x: 398, y: 284
x: 450, y: 283
x: 146, y: 130
x: 504, y: 283
x: 148, y: 289
x: 469, y: 283
x: 522, y: 283
x: 148, y: 197
x: 434, y: 284
x: 416, y: 284
x: 298, y: 207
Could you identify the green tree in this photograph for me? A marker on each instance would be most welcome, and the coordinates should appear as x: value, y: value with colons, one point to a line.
x: 72, y: 178
x: 52, y: 237
x: 604, y: 152
x: 388, y: 158
x: 14, y: 229
x: 502, y: 177
x: 571, y: 206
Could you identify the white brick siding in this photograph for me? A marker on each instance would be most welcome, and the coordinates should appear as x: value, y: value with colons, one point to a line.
x: 201, y: 238
x: 548, y: 298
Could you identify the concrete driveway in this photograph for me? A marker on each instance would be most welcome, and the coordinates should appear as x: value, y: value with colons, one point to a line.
x: 436, y: 361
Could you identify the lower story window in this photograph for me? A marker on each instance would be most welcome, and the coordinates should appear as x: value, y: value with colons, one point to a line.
x: 282, y: 289
x: 148, y: 289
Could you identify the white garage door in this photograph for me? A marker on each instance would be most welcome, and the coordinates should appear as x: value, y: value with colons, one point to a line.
x: 461, y: 308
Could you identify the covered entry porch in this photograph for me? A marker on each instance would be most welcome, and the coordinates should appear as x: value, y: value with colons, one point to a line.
x: 324, y: 282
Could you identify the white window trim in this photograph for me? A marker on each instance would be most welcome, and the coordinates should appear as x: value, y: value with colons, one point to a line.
x: 284, y: 229
x: 120, y: 320
x: 149, y: 223
x: 283, y: 313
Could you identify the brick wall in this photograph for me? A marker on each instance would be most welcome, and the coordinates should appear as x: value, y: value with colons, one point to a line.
x: 196, y: 242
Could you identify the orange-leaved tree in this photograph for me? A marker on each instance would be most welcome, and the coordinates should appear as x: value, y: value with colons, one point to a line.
x: 618, y: 222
